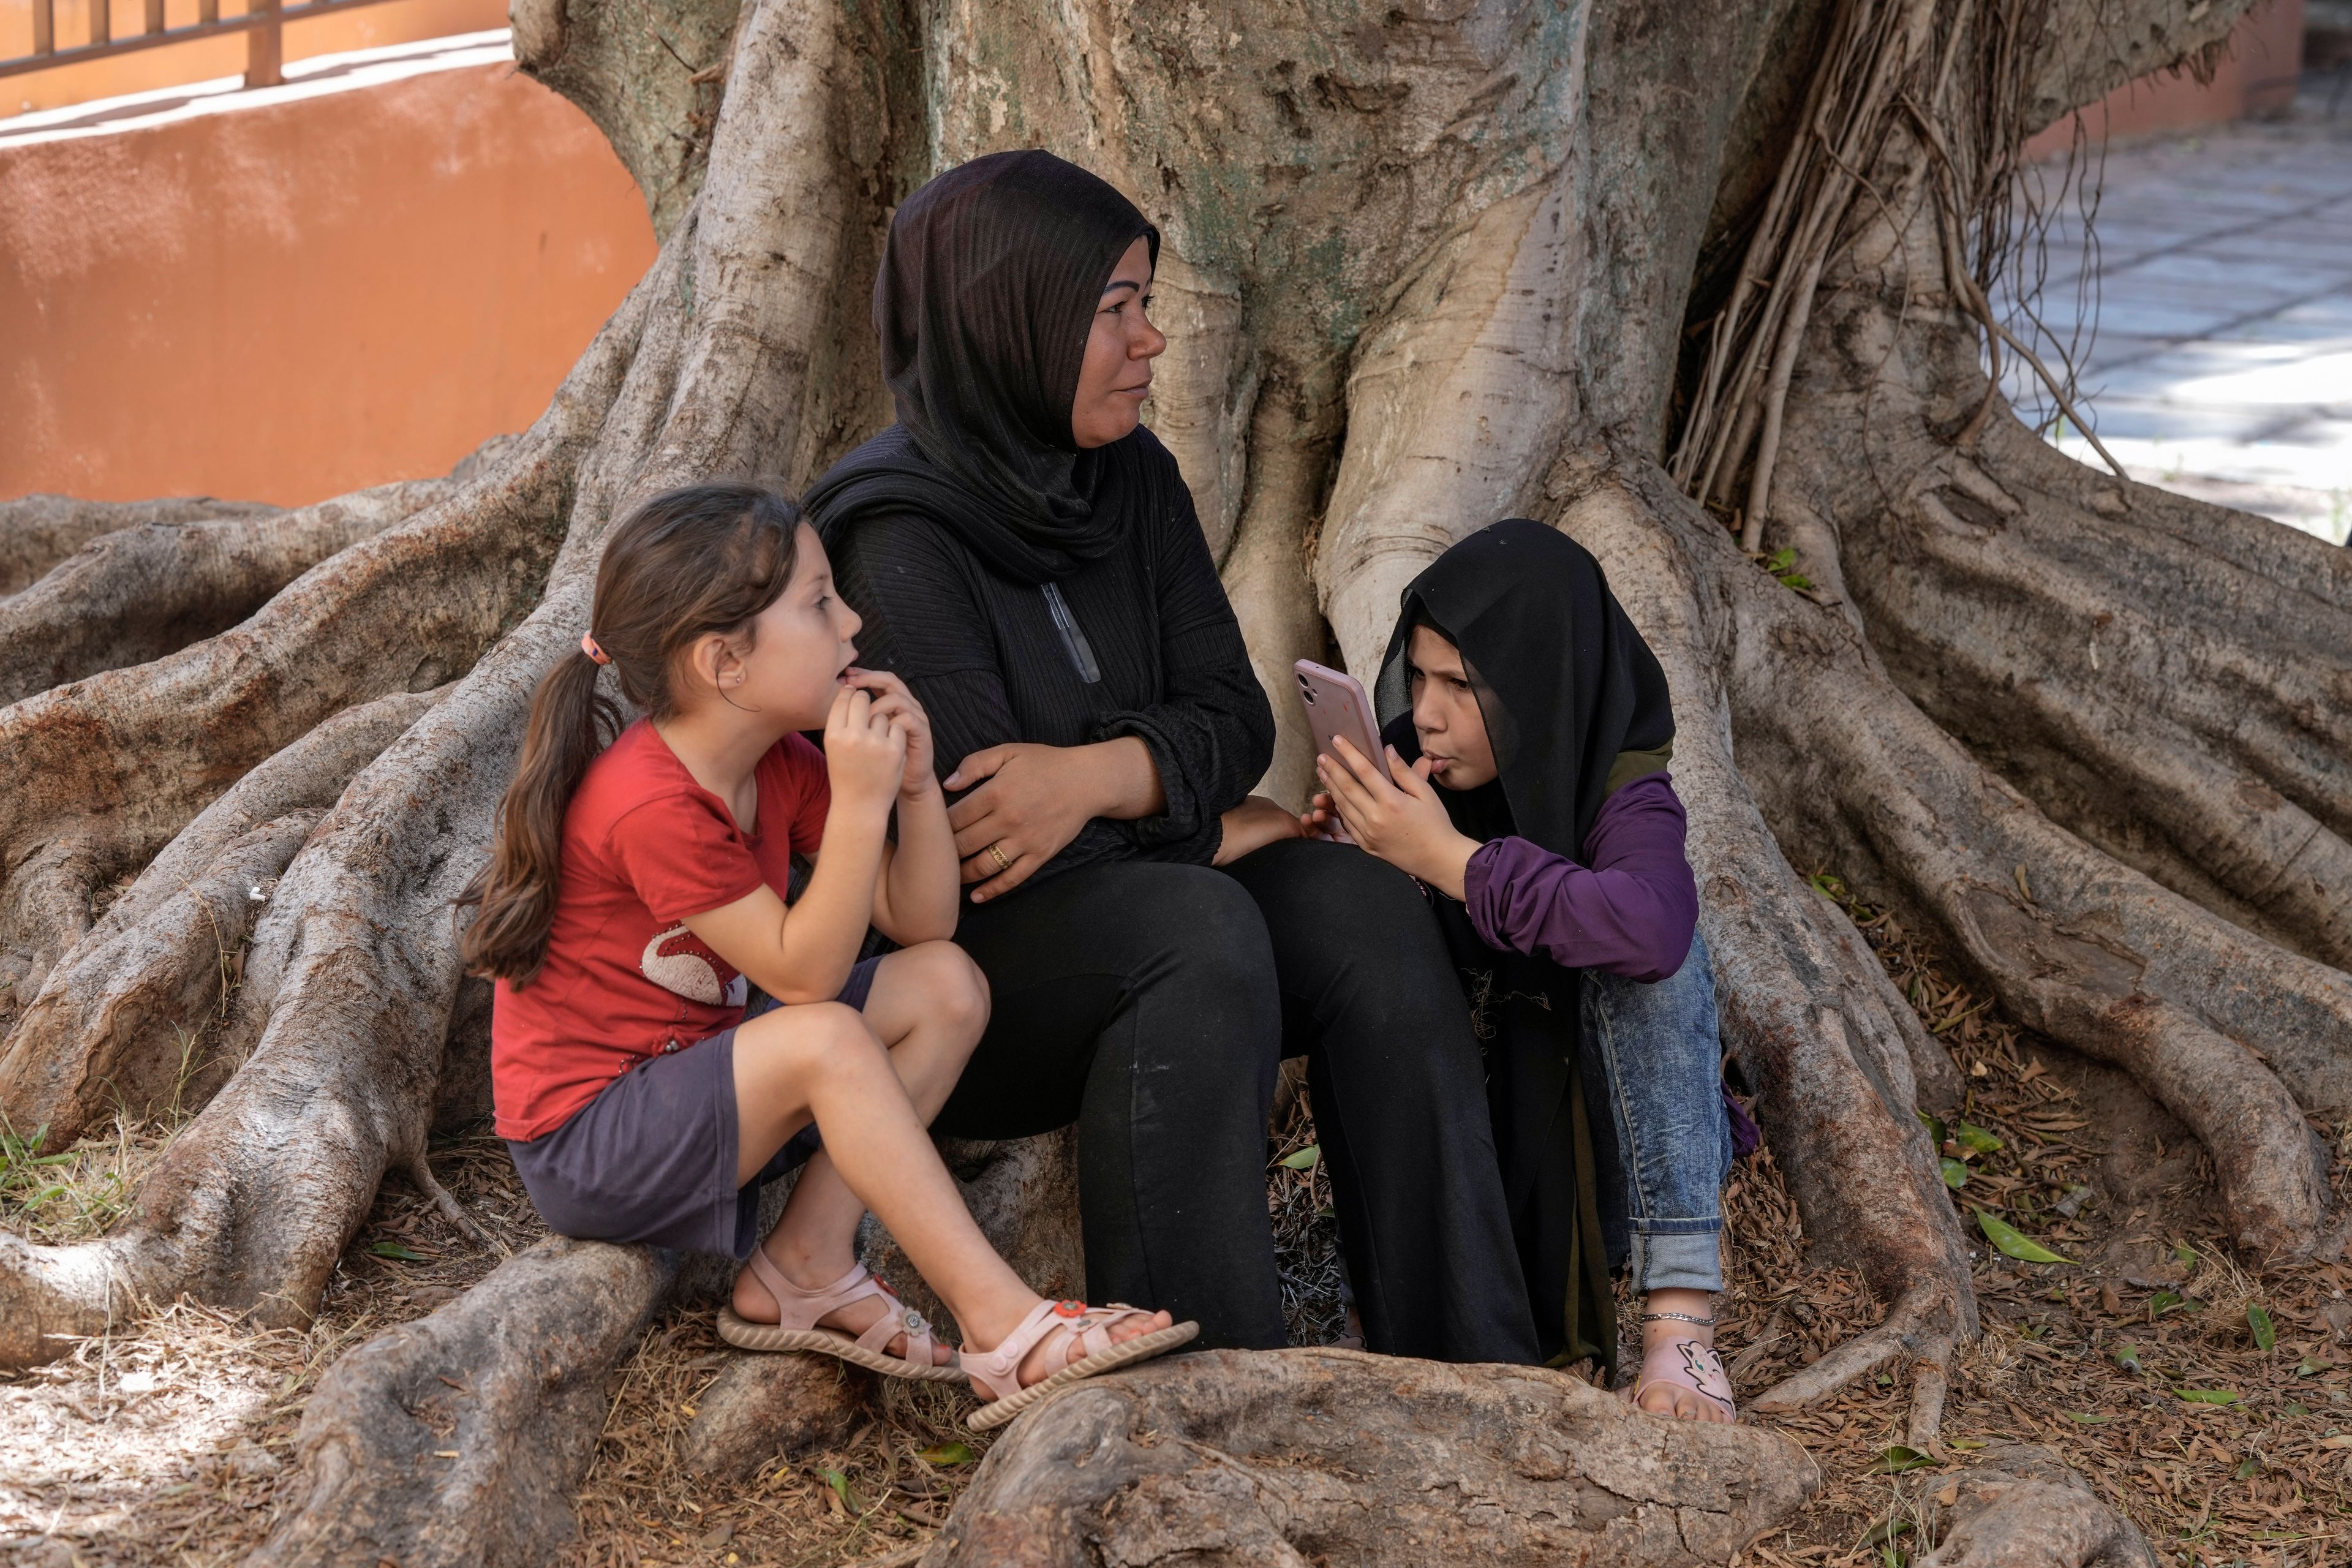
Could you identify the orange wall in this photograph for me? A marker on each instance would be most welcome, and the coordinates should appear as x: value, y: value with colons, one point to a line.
x: 2257, y: 74
x: 283, y: 301
x: 204, y: 60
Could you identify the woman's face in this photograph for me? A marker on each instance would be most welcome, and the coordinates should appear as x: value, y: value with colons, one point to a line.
x: 1116, y: 375
x: 1445, y: 713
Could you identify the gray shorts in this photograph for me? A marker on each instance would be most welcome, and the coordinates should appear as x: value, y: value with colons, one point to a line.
x: 652, y: 1158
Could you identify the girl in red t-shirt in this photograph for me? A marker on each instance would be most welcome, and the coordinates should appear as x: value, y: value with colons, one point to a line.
x: 637, y: 894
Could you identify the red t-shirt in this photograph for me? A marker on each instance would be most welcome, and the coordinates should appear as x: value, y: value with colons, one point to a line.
x: 643, y: 847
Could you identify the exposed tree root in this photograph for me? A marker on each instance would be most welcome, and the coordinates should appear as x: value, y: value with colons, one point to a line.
x: 38, y: 532
x: 1453, y: 409
x: 766, y: 1407
x: 1265, y: 574
x: 2158, y: 676
x: 100, y: 774
x: 1852, y: 773
x: 124, y: 1020
x: 459, y: 1440
x: 141, y: 593
x: 2021, y: 1508
x: 1286, y: 1457
x: 1992, y: 602
x: 153, y: 586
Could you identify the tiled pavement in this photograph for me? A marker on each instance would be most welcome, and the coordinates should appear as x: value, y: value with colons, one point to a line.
x: 2220, y: 289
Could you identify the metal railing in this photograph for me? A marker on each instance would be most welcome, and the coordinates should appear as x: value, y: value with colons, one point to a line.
x: 263, y: 24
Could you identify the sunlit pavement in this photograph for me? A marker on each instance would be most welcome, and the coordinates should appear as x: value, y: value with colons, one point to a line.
x: 2221, y: 286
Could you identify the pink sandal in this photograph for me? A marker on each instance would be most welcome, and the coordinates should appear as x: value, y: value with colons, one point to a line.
x: 1701, y: 1371
x: 996, y: 1375
x: 795, y: 1327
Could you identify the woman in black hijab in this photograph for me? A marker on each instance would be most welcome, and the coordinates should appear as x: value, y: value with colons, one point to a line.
x: 1529, y: 730
x: 1025, y: 555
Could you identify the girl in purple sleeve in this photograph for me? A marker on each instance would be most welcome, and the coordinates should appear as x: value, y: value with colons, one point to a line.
x: 1529, y: 734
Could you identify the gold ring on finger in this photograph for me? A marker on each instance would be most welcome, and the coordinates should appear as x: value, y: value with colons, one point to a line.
x: 996, y: 851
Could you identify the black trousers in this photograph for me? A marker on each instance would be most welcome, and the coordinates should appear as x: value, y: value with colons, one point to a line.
x: 1150, y: 1002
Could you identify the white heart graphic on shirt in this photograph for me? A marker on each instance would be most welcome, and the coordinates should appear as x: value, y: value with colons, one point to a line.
x: 681, y: 963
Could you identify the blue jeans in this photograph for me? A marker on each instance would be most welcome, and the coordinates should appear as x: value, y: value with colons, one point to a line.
x: 1654, y: 1055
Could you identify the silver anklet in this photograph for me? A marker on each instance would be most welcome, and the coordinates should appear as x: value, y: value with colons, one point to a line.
x: 1677, y: 1318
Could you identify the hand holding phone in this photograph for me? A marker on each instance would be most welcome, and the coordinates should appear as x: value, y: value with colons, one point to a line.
x: 1336, y: 705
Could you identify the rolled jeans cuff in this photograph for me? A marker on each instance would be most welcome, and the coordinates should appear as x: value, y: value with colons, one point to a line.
x: 1677, y: 1260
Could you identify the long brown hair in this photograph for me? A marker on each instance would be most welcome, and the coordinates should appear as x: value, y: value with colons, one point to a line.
x: 690, y: 561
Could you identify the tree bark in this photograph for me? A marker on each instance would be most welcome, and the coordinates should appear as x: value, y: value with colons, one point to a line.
x: 1608, y: 265
x: 2021, y: 1505
x: 1279, y: 1458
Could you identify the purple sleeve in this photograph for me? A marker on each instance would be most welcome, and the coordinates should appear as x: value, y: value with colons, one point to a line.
x: 1632, y: 914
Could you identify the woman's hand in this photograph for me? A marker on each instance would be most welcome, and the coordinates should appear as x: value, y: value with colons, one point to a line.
x: 1251, y: 827
x: 1394, y: 811
x: 1320, y: 819
x: 865, y: 751
x: 1028, y: 800
x: 893, y: 701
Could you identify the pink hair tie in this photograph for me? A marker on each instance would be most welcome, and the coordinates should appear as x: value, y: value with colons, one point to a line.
x: 588, y: 646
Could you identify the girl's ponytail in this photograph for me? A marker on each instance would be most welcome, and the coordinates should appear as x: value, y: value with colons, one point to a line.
x: 706, y: 558
x: 570, y: 721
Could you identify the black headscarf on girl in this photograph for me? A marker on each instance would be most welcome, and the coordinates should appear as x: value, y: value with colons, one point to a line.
x: 988, y: 289
x: 1566, y: 687
x: 1564, y: 681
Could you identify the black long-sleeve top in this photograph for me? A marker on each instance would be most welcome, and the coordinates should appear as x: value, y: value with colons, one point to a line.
x: 984, y: 657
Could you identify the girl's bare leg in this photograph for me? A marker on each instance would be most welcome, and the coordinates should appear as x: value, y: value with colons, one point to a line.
x: 928, y: 1007
x: 821, y: 1060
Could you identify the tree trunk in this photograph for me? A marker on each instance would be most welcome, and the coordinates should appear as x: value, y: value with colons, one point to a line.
x: 1637, y: 269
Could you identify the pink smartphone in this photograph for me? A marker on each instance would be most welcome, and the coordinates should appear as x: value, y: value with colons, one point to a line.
x: 1336, y: 706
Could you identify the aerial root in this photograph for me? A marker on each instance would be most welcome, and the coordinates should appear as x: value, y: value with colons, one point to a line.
x: 459, y: 1439
x: 420, y: 1171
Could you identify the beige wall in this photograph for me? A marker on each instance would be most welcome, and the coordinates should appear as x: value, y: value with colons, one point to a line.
x: 285, y: 302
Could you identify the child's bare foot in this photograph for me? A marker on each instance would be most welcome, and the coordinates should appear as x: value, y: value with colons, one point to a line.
x: 753, y: 1304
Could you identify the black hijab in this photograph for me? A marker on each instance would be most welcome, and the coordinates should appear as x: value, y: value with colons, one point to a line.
x: 987, y: 292
x: 1564, y: 681
x: 1567, y: 687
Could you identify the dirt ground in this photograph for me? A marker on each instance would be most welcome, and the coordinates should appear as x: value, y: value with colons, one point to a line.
x: 2206, y: 1396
